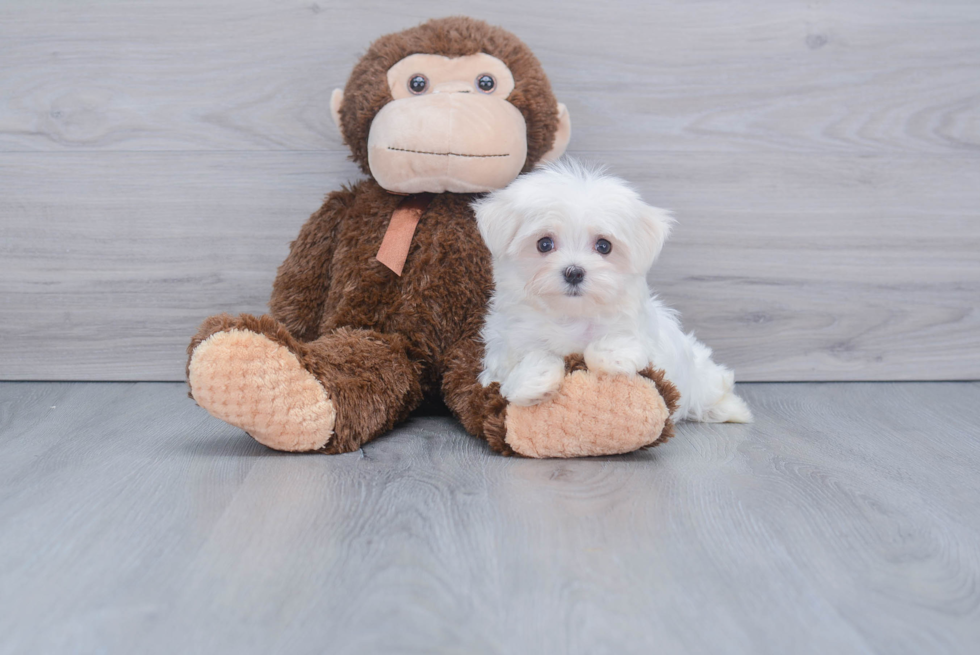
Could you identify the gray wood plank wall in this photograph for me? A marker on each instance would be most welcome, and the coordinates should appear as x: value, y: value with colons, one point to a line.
x: 823, y: 159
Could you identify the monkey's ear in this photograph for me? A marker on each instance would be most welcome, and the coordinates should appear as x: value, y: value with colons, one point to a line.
x: 562, y: 135
x: 336, y: 99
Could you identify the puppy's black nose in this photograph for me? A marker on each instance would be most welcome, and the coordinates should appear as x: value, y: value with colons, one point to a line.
x: 574, y: 275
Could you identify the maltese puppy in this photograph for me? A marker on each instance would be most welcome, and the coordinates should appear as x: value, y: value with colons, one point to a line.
x: 571, y: 249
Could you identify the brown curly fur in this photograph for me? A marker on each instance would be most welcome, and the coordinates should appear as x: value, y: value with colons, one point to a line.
x: 378, y: 342
x: 671, y: 397
x: 458, y: 36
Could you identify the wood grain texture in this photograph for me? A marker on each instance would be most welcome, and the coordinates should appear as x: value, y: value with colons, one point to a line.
x: 844, y: 520
x: 881, y: 75
x: 823, y: 159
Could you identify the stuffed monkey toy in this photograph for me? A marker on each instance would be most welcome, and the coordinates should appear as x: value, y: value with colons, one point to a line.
x: 380, y: 302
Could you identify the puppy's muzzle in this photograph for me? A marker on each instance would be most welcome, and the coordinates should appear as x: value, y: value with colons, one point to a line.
x: 574, y: 275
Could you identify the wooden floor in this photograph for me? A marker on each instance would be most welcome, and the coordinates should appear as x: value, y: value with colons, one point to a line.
x: 845, y: 520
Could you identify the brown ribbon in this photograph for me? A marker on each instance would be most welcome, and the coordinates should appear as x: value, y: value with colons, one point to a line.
x: 398, y: 237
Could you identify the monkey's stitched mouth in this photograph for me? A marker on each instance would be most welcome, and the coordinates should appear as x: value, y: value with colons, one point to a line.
x: 444, y: 154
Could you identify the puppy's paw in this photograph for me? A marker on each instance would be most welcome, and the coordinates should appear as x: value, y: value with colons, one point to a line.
x: 615, y: 356
x: 536, y: 378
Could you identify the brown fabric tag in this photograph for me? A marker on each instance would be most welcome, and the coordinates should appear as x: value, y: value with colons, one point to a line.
x: 398, y: 237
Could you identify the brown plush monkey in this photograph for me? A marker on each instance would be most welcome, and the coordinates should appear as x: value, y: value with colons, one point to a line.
x: 381, y: 300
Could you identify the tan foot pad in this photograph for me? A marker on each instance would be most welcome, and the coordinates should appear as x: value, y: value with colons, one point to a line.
x: 255, y: 384
x: 590, y: 416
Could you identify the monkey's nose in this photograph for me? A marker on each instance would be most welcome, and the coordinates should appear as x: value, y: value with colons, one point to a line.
x: 574, y: 275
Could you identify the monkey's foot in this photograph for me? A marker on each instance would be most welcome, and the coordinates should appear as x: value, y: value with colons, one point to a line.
x: 594, y: 415
x: 252, y: 382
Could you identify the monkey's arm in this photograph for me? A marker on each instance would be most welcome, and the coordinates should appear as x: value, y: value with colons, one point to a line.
x: 299, y: 290
x: 480, y: 409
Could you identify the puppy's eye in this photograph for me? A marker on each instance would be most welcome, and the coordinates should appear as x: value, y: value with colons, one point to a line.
x: 546, y: 244
x: 486, y: 83
x: 603, y: 247
x: 417, y: 84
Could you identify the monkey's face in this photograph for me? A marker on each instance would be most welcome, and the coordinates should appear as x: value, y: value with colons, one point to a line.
x: 449, y: 126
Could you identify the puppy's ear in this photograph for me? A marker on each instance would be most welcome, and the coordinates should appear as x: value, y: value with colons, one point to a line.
x: 497, y: 221
x: 653, y: 226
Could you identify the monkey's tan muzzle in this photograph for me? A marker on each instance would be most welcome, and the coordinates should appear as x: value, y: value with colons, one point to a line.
x: 456, y: 142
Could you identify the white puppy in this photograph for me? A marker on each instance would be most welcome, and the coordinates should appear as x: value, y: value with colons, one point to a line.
x: 571, y: 249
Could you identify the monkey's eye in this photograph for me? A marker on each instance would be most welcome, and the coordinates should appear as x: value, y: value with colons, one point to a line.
x: 603, y: 247
x: 417, y: 84
x: 546, y: 244
x: 486, y: 83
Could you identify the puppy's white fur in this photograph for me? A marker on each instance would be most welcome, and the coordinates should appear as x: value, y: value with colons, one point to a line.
x: 536, y: 317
